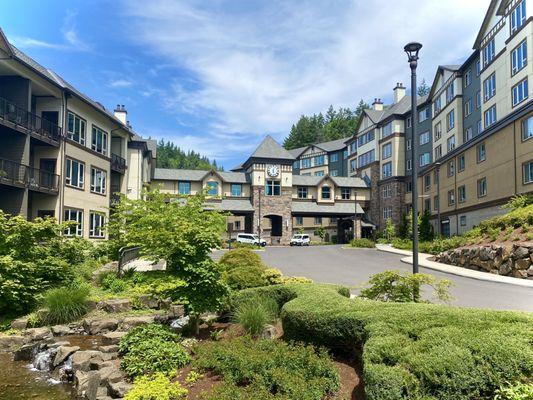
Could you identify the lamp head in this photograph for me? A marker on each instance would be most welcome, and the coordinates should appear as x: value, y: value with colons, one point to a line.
x: 412, y: 50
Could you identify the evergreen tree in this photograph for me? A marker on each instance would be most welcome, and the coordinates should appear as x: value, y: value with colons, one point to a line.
x: 423, y: 89
x: 425, y: 228
x: 171, y: 156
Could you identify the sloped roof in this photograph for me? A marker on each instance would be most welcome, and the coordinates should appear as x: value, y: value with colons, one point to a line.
x: 332, y: 145
x: 231, y: 205
x: 493, y: 8
x: 197, y: 175
x: 311, y: 207
x: 269, y: 148
x: 298, y: 152
x: 310, y: 180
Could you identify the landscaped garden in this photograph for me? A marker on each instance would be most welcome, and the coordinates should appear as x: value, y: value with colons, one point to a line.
x: 236, y: 328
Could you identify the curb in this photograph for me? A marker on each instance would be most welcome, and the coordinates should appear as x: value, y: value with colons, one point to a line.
x: 423, y: 260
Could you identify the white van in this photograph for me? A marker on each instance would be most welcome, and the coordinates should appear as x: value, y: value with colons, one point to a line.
x: 251, y: 239
x: 300, y: 240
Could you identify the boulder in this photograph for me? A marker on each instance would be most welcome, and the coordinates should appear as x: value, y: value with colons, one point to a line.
x: 113, y: 348
x: 530, y: 271
x: 118, y: 389
x: 484, y: 254
x: 148, y: 301
x: 520, y: 252
x: 26, y: 352
x: 506, y: 268
x: 176, y: 310
x: 165, y: 304
x: 131, y: 322
x: 113, y: 337
x: 523, y: 263
x: 36, y: 334
x: 81, y: 360
x: 60, y: 330
x: 270, y: 332
x: 87, y: 384
x: 99, y: 325
x: 63, y: 352
x: 115, y: 376
x: 20, y: 323
x: 11, y: 342
x: 520, y: 273
x: 115, y: 305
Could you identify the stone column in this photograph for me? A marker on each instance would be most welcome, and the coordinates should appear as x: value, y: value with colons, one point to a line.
x: 357, y: 227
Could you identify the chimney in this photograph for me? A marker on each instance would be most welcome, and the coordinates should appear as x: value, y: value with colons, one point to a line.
x: 377, y: 105
x: 399, y: 92
x: 121, y: 113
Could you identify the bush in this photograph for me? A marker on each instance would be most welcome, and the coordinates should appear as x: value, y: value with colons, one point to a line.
x: 268, y: 369
x: 365, y: 243
x: 255, y: 313
x: 142, y: 332
x: 155, y: 387
x: 243, y: 269
x: 518, y: 391
x: 242, y: 257
x: 66, y: 304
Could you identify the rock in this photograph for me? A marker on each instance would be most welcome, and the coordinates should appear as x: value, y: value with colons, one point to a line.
x: 115, y: 376
x: 100, y: 325
x: 87, y: 384
x: 485, y: 265
x: 148, y: 301
x: 36, y: 334
x: 521, y: 274
x: 113, y: 348
x: 497, y: 261
x: 20, y: 323
x: 530, y: 271
x: 484, y: 254
x: 118, y: 389
x: 115, y: 305
x: 26, y: 352
x: 176, y: 310
x: 62, y: 354
x: 505, y: 268
x: 165, y: 304
x: 523, y: 263
x: 113, y: 337
x: 131, y: 322
x: 180, y: 323
x: 101, y: 393
x: 270, y: 332
x: 11, y: 342
x: 60, y: 330
x: 81, y: 360
x: 520, y: 252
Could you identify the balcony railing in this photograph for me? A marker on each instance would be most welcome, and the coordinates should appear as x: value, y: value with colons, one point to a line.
x: 18, y: 174
x: 41, y: 127
x: 118, y: 164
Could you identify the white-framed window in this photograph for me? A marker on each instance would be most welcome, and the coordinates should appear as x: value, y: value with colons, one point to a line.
x: 326, y: 192
x: 334, y: 157
x: 365, y: 138
x: 424, y: 114
x: 479, y: 127
x: 212, y: 188
x: 527, y: 128
x: 387, y: 130
x: 366, y: 158
x: 345, y: 193
x: 236, y: 189
x: 273, y: 188
x: 462, y: 220
x: 387, y: 213
x: 427, y: 204
x: 450, y: 92
x: 451, y: 168
x: 478, y: 99
x: 409, y: 165
x: 438, y: 131
x: 71, y: 214
x: 462, y: 163
x: 302, y: 192
x: 451, y: 143
x: 334, y: 172
x: 461, y: 191
x: 489, y: 87
x: 425, y: 159
x: 469, y: 134
x: 438, y: 152
x: 451, y: 197
x: 468, y: 107
x: 76, y: 128
x: 528, y: 172
x: 481, y: 152
x: 490, y: 116
x: 520, y: 92
x: 353, y: 147
x: 489, y: 52
x: 184, y: 188
x: 98, y: 180
x: 386, y: 151
x: 518, y: 16
x: 519, y: 57
x: 386, y: 170
x: 96, y: 225
x: 386, y: 191
x: 450, y: 120
x: 319, y: 161
x: 468, y: 78
x: 306, y: 162
x: 319, y: 173
x: 424, y: 138
x: 353, y: 165
x: 482, y: 187
x: 99, y: 141
x: 409, y: 144
x: 75, y: 173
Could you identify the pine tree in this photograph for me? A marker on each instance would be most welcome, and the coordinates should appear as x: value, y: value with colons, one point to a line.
x: 423, y: 89
x: 425, y: 228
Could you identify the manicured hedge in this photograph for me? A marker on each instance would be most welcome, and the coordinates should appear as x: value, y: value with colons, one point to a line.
x: 412, y: 351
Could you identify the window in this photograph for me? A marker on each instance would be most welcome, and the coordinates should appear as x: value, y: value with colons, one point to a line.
x: 519, y: 57
x: 326, y: 192
x: 436, y: 106
x: 319, y: 160
x: 409, y: 187
x: 237, y: 225
x: 424, y: 138
x: 438, y: 152
x: 353, y: 165
x: 345, y: 193
x: 424, y: 160
x: 450, y: 93
x: 462, y: 163
x: 319, y: 173
x: 386, y: 151
x: 479, y: 127
x: 482, y: 187
x: 527, y: 128
x: 318, y: 220
x: 528, y: 172
x: 334, y: 172
x: 469, y: 134
x: 408, y: 122
x: 365, y: 138
x: 450, y: 120
x: 518, y: 16
x: 99, y: 141
x: 236, y: 189
x: 296, y: 165
x: 98, y: 180
x: 212, y: 188
x: 461, y: 193
x: 451, y: 143
x: 345, y: 154
x: 520, y: 92
x: 427, y: 182
x: 299, y: 220
x: 427, y: 204
x: 306, y: 163
x: 488, y: 53
x: 435, y: 203
x: 387, y: 130
x: 408, y: 144
x: 468, y: 107
x: 333, y: 220
x: 423, y: 115
x: 481, y: 152
x: 334, y: 157
x: 184, y: 188
x: 451, y: 168
x: 76, y: 128
x: 468, y: 78
x: 478, y: 99
x: 451, y: 197
x: 75, y: 173
x: 438, y: 131
x: 489, y: 87
x: 273, y: 188
x: 353, y: 148
x: 478, y: 67
x: 386, y: 191
x: 490, y: 116
x: 386, y: 170
x: 76, y: 216
x: 366, y: 158
x: 96, y: 225
x: 462, y: 220
x: 387, y: 212
x: 409, y: 165
x: 302, y: 193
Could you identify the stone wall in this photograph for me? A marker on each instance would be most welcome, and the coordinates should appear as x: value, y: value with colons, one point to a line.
x: 274, y: 205
x: 515, y: 261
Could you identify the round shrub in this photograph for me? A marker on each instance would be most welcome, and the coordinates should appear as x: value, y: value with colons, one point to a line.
x: 364, y: 243
x: 241, y: 257
x: 155, y: 387
x: 245, y: 277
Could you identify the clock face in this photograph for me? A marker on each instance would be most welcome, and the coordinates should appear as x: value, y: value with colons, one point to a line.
x: 273, y: 170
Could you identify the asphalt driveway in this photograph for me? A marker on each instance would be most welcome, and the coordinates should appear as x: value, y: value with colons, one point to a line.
x: 351, y: 267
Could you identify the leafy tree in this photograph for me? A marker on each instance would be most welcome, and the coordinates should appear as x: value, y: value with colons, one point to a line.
x: 423, y: 89
x: 320, y: 232
x: 425, y: 229
x: 181, y: 232
x: 390, y: 231
x: 405, y: 230
x: 171, y: 156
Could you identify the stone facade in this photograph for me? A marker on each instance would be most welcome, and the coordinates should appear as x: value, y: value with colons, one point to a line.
x: 396, y: 201
x: 279, y: 206
x: 374, y: 209
x: 515, y: 261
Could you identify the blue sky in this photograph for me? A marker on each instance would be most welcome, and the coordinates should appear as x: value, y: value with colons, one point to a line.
x: 216, y: 76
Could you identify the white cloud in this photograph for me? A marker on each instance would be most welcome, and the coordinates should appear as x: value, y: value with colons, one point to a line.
x: 27, y: 43
x: 70, y: 33
x: 120, y: 83
x: 259, y: 65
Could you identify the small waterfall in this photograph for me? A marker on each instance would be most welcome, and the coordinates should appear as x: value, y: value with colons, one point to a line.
x: 65, y: 371
x: 43, y: 360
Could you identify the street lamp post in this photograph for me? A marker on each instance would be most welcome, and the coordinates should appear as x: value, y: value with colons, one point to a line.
x: 412, y: 50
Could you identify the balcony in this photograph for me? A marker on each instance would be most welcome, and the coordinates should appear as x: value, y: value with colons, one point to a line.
x: 26, y: 122
x: 118, y: 164
x: 19, y: 175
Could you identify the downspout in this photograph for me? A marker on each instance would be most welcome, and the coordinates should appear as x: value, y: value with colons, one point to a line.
x: 63, y: 160
x: 515, y: 166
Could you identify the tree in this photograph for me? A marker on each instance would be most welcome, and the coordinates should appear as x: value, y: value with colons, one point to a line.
x: 423, y: 89
x: 390, y: 231
x: 320, y: 232
x: 425, y: 228
x: 405, y: 230
x: 182, y: 233
x: 171, y: 156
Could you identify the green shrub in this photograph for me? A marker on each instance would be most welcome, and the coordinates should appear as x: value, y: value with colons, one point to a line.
x: 363, y: 242
x: 66, y: 304
x: 143, y: 332
x: 383, y: 241
x: 273, y: 276
x: 268, y: 369
x: 239, y: 258
x: 155, y: 387
x: 246, y: 277
x: 255, y: 313
x: 519, y: 201
x: 518, y: 391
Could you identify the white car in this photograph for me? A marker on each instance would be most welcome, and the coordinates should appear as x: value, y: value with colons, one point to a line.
x: 250, y: 238
x: 300, y: 240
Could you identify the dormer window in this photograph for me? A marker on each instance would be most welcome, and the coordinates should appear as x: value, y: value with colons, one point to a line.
x: 212, y: 188
x: 326, y: 192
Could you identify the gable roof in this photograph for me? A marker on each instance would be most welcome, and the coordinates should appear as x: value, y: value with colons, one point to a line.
x: 440, y: 69
x: 197, y: 175
x: 486, y: 21
x: 269, y: 148
x: 340, y: 181
x: 332, y: 145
